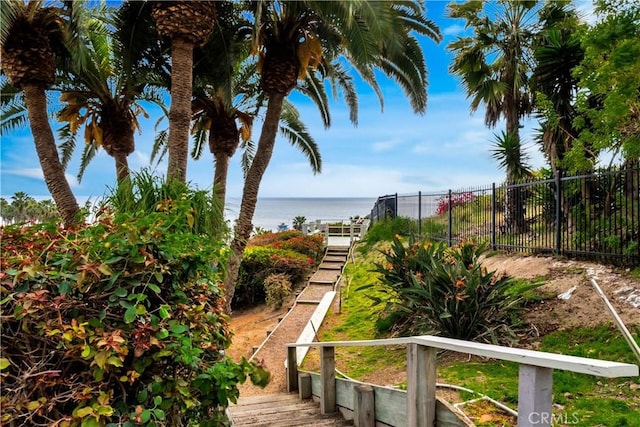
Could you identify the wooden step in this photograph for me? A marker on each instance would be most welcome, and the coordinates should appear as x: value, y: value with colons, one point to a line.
x: 330, y: 267
x: 280, y: 410
x: 322, y: 282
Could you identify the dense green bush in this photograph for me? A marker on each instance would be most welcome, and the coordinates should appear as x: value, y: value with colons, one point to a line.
x: 258, y: 263
x: 119, y: 323
x: 309, y: 245
x: 434, y: 289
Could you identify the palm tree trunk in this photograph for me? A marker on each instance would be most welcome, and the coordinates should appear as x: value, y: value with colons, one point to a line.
x: 180, y: 110
x: 244, y: 225
x: 515, y: 215
x: 44, y: 140
x: 122, y: 166
x: 221, y: 170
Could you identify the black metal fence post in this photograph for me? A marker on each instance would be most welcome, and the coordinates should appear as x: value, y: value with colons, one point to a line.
x: 450, y: 221
x: 493, y: 216
x: 395, y: 208
x: 558, y: 250
x: 419, y: 213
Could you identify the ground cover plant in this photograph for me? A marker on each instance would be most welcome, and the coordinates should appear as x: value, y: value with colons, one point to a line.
x: 438, y: 290
x: 118, y: 323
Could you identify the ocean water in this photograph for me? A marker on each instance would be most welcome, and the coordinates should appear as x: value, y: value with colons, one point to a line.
x: 272, y: 211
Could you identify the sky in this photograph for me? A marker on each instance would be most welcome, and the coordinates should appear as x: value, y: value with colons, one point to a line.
x: 390, y: 151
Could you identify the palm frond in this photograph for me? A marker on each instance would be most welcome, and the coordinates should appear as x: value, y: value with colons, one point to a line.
x: 313, y: 88
x: 507, y: 150
x: 248, y: 153
x: 88, y: 153
x: 341, y: 80
x: 160, y: 146
x: 68, y: 144
x: 298, y: 135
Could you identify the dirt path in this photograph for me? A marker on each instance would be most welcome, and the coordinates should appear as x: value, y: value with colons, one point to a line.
x: 252, y: 327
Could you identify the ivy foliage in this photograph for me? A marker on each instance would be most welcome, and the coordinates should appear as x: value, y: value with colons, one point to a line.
x: 117, y: 323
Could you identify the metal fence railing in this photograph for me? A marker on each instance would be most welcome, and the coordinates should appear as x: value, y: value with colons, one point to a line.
x: 589, y: 216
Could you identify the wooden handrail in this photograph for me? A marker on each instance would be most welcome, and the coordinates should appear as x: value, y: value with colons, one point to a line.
x: 534, y: 385
x: 583, y: 365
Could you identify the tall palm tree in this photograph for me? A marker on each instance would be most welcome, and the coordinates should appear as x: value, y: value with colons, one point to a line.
x: 29, y: 33
x: 187, y: 24
x: 227, y: 100
x: 20, y: 203
x: 557, y: 53
x: 494, y: 65
x: 292, y: 39
x: 103, y: 87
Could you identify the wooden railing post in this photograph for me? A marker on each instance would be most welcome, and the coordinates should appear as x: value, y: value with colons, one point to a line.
x: 364, y: 413
x: 327, y: 380
x: 421, y: 385
x: 292, y: 369
x: 535, y: 386
x: 304, y: 385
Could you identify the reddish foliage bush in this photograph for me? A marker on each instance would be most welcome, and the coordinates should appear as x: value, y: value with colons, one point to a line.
x: 457, y: 199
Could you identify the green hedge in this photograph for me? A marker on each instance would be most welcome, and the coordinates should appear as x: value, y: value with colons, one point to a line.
x: 260, y: 262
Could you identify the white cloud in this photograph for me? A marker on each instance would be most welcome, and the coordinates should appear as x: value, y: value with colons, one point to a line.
x: 37, y: 174
x: 385, y: 145
x: 453, y: 30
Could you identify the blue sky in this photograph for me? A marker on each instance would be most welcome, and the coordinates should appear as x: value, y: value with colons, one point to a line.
x: 394, y: 151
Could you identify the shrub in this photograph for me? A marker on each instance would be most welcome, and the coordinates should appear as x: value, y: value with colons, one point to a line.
x: 277, y: 288
x: 258, y: 263
x: 446, y: 291
x: 309, y: 245
x: 119, y: 323
x: 457, y: 199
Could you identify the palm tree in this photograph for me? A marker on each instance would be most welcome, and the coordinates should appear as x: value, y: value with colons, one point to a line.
x: 293, y: 39
x: 7, y: 213
x: 187, y: 24
x: 106, y: 81
x: 494, y: 65
x: 557, y: 53
x: 29, y: 33
x: 20, y: 203
x: 227, y: 100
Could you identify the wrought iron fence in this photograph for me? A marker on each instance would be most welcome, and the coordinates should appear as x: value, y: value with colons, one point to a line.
x: 588, y: 216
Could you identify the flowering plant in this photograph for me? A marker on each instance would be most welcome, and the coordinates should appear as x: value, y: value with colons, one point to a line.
x: 457, y: 199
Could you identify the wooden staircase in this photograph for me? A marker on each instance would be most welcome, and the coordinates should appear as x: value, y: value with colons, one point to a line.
x: 278, y: 408
x: 281, y: 410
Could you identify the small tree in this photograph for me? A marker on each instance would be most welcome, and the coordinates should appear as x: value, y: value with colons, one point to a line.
x: 298, y: 221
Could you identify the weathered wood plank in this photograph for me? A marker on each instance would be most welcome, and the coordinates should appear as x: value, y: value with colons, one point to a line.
x: 390, y: 404
x: 421, y: 385
x: 535, y: 387
x: 308, y: 334
x: 292, y: 369
x: 583, y: 365
x: 364, y: 406
x: 327, y: 380
x: 304, y: 385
